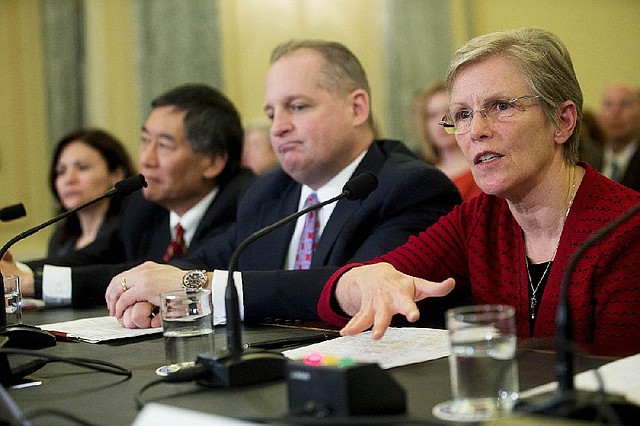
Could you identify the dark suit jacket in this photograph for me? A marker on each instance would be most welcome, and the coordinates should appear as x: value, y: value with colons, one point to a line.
x: 144, y: 235
x: 631, y: 178
x: 104, y: 247
x: 410, y: 197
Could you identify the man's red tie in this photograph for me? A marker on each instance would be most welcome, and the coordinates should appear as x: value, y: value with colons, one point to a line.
x: 177, y: 246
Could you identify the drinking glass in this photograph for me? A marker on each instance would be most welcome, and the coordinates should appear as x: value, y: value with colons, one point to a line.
x: 482, y: 363
x: 12, y: 299
x: 187, y: 327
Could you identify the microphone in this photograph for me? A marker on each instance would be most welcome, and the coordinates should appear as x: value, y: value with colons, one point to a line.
x: 567, y: 402
x: 28, y: 336
x: 124, y: 187
x: 12, y: 212
x: 242, y: 367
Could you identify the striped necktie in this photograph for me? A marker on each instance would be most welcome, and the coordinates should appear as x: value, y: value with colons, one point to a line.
x: 177, y: 246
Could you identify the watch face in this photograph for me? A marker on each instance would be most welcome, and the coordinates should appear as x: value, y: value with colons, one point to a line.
x: 194, y: 280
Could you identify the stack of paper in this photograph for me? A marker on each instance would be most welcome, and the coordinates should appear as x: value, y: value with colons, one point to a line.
x: 94, y: 330
x: 399, y: 346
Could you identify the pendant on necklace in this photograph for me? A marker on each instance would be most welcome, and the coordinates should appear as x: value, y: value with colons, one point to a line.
x: 533, y: 307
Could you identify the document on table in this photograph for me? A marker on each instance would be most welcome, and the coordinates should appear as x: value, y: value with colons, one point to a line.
x: 620, y: 377
x: 154, y: 414
x: 399, y: 346
x: 95, y: 330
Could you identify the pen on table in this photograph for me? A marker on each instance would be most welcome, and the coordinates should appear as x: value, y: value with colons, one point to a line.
x: 292, y: 341
x: 64, y: 337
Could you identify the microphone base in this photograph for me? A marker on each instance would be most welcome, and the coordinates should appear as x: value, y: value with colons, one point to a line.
x: 582, y: 405
x: 10, y: 377
x: 24, y: 336
x: 245, y: 368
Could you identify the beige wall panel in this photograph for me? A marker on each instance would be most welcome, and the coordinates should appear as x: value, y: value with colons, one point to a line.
x: 23, y: 131
x: 111, y: 75
x: 602, y: 36
x: 252, y: 28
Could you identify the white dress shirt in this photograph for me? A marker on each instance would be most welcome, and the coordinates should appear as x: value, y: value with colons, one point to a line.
x: 620, y: 159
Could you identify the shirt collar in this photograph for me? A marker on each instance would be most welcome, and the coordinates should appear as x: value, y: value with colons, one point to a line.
x: 191, y: 219
x: 334, y: 186
x: 623, y: 157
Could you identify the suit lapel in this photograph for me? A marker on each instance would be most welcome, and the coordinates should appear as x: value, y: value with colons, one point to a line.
x: 160, y: 237
x: 270, y: 251
x: 345, y: 209
x: 208, y: 221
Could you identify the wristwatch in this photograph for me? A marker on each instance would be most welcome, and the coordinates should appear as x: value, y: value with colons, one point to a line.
x: 194, y: 280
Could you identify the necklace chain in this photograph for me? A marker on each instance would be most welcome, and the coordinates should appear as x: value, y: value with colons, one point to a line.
x: 534, y: 290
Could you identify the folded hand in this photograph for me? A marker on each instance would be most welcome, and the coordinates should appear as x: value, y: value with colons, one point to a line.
x: 144, y: 283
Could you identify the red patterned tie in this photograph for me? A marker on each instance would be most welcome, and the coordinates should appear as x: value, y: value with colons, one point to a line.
x: 176, y: 247
x: 309, y: 237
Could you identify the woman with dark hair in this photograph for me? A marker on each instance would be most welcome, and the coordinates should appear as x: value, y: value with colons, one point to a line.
x: 86, y: 163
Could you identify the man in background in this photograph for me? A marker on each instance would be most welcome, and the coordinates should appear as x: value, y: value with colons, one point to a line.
x: 317, y: 98
x: 189, y: 153
x: 620, y: 118
x: 257, y: 153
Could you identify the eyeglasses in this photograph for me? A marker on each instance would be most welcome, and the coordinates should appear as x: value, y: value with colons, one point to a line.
x: 459, y: 122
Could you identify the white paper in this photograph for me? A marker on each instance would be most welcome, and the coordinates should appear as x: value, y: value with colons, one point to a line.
x: 155, y: 414
x: 399, y: 346
x: 620, y: 377
x: 98, y: 329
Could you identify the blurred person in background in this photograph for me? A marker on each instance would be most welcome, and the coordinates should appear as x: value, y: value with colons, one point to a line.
x: 86, y: 163
x: 426, y: 151
x: 592, y: 140
x: 620, y: 118
x: 257, y: 152
x: 446, y: 153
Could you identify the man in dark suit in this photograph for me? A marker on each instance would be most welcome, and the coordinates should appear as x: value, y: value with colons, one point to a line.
x: 190, y: 154
x: 620, y: 118
x: 317, y: 98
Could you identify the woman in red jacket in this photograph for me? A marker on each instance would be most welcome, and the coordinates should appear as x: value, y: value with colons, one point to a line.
x: 515, y: 107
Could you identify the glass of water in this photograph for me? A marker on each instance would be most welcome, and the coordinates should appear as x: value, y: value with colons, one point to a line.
x: 12, y: 299
x: 482, y: 363
x: 187, y: 327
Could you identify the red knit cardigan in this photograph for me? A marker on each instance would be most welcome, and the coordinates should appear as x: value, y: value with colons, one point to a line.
x: 482, y: 246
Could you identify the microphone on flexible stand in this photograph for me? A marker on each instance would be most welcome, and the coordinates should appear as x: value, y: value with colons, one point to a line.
x: 567, y: 401
x: 12, y: 212
x: 242, y: 367
x: 31, y: 337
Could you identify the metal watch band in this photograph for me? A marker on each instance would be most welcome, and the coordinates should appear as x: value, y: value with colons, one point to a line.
x: 194, y: 280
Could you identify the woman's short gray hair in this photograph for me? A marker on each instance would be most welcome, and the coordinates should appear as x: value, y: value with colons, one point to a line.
x: 545, y: 63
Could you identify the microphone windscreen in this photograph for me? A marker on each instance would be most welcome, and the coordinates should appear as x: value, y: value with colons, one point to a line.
x: 129, y: 185
x: 360, y: 186
x: 12, y: 212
